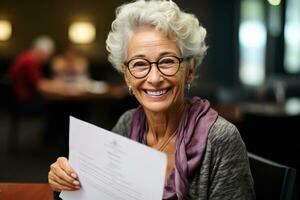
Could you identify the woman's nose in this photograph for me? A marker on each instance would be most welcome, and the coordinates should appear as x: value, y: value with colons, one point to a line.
x: 154, y: 76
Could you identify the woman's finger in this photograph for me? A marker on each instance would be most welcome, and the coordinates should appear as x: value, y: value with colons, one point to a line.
x: 54, y: 177
x: 56, y: 169
x: 64, y: 164
x: 58, y: 187
x: 62, y: 177
x: 61, y: 174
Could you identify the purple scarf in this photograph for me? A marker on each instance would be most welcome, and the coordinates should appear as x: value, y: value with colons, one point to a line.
x: 191, y: 142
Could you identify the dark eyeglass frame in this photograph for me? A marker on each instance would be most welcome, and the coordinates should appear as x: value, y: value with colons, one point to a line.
x: 180, y: 60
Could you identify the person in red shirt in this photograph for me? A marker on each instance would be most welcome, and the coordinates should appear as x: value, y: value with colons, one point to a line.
x: 26, y: 73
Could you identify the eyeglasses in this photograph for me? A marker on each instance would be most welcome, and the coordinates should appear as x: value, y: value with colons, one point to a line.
x: 140, y: 67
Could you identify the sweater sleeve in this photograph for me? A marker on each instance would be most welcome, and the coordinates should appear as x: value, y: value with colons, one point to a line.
x: 230, y: 174
x: 123, y: 125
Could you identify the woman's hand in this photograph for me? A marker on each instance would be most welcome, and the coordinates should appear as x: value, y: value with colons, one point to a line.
x: 62, y: 177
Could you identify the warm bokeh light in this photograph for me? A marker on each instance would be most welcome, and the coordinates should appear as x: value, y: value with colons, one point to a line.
x: 82, y: 32
x: 5, y: 30
x: 274, y: 2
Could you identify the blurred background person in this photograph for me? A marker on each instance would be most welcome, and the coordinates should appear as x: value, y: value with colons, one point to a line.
x: 72, y: 68
x: 26, y: 73
x: 27, y: 77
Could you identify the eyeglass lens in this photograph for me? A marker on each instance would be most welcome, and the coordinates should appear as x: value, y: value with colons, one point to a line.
x: 140, y: 67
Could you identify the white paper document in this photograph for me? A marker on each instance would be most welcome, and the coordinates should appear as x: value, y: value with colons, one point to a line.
x: 112, y: 167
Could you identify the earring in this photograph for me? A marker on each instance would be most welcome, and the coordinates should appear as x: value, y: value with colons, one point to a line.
x: 188, y: 87
x: 130, y: 90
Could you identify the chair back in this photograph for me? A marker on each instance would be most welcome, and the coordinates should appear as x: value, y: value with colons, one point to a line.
x: 272, y: 180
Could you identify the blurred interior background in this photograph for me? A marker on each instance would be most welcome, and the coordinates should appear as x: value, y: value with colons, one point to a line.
x: 251, y: 75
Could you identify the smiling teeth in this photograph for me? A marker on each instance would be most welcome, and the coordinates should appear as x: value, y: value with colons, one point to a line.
x: 156, y: 93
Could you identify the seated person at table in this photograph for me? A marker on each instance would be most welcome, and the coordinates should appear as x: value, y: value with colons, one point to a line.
x: 72, y: 68
x: 158, y: 47
x: 26, y: 73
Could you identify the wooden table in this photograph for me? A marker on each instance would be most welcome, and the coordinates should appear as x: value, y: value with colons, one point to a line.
x: 25, y: 191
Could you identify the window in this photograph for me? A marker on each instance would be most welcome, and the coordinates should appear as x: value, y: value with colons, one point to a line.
x: 292, y: 37
x: 252, y: 43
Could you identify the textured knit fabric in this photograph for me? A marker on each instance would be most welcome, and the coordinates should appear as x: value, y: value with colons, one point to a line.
x: 224, y: 173
x: 191, y: 139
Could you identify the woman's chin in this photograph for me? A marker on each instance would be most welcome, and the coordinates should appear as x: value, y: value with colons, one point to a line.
x: 156, y: 107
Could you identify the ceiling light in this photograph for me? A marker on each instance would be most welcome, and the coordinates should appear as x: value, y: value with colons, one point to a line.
x: 5, y: 30
x: 82, y: 32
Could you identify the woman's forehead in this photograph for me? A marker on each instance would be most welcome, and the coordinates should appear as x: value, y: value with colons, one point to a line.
x: 145, y: 40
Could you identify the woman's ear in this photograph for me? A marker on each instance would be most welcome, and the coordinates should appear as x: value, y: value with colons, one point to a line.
x: 123, y: 68
x: 191, y: 71
x: 125, y: 74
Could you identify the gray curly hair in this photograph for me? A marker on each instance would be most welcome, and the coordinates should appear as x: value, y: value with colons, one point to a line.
x: 165, y: 16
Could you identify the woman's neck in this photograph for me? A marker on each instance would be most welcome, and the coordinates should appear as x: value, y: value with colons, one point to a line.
x: 164, y: 124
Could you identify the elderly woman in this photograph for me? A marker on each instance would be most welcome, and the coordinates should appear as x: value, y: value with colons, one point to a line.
x: 158, y: 48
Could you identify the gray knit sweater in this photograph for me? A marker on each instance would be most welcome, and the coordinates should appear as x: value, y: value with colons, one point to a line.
x: 224, y: 173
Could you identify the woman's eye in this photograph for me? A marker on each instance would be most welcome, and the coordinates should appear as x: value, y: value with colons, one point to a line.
x: 167, y: 61
x: 139, y: 64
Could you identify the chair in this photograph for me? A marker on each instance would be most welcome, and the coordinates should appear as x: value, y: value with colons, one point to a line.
x: 272, y: 133
x: 272, y: 180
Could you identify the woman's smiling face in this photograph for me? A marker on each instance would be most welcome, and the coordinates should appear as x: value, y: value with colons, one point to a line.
x: 156, y: 92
